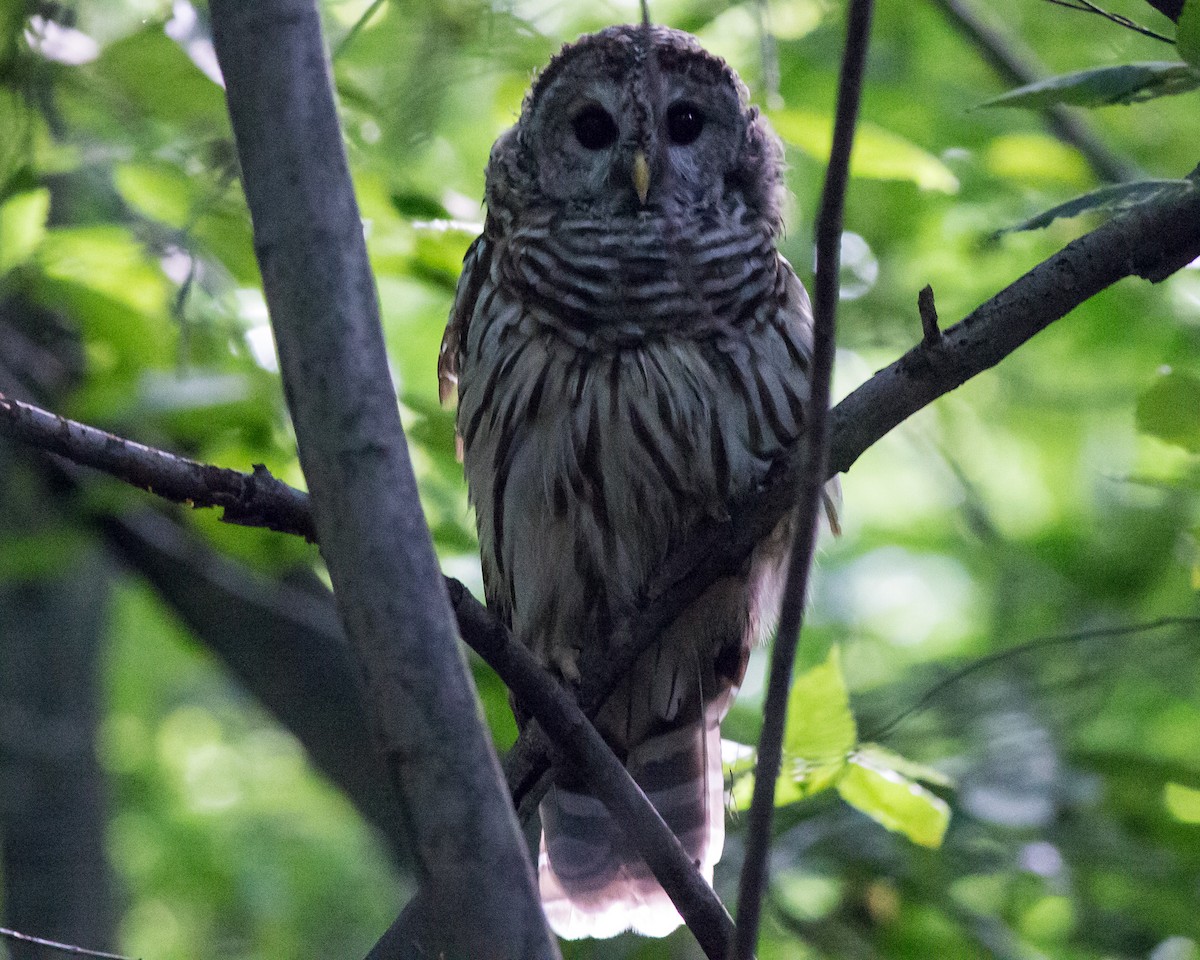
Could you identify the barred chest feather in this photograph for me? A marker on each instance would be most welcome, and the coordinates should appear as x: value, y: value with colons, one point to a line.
x: 595, y: 436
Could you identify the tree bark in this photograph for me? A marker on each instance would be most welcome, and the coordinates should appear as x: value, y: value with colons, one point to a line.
x: 309, y: 240
x: 57, y: 880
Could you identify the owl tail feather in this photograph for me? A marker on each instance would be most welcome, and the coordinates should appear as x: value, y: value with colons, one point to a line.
x: 593, y: 883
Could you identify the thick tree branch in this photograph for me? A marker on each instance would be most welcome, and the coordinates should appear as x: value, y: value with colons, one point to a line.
x: 1152, y: 242
x: 320, y: 291
x: 1018, y: 66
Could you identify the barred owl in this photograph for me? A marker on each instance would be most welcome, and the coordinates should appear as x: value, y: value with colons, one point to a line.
x: 631, y: 353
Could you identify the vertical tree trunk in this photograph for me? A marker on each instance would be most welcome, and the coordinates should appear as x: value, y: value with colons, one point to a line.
x: 57, y: 882
x: 475, y: 874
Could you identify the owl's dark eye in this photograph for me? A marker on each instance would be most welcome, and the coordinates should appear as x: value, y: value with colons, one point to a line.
x: 594, y: 128
x: 685, y: 121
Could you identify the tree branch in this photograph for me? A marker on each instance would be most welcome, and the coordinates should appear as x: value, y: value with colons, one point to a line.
x: 585, y: 750
x: 60, y: 947
x: 1018, y: 66
x: 251, y: 499
x: 813, y: 474
x: 550, y: 705
x: 1086, y: 6
x: 1152, y: 241
x: 309, y: 242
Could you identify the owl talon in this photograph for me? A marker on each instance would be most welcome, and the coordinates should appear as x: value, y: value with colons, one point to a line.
x: 567, y: 661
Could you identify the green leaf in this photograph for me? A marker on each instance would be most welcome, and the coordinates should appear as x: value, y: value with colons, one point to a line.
x: 157, y: 80
x: 1182, y: 802
x: 807, y: 895
x: 820, y: 734
x: 895, y: 801
x: 878, y: 154
x: 22, y: 227
x: 1033, y: 157
x: 15, y: 127
x: 161, y: 191
x: 881, y: 756
x: 1114, y: 198
x: 108, y: 259
x: 1187, y: 33
x: 1123, y: 84
x: 820, y: 726
x: 1170, y: 410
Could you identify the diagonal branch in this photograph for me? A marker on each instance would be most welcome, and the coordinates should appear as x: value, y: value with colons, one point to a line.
x: 184, y: 481
x: 584, y: 749
x: 1086, y: 6
x: 1152, y: 241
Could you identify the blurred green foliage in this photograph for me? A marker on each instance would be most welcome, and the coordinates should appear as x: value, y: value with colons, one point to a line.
x: 1048, y: 500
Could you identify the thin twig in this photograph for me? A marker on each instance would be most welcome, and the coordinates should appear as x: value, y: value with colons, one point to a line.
x: 1085, y: 6
x: 1001, y: 656
x: 253, y: 500
x: 931, y: 334
x: 354, y: 30
x: 1017, y: 65
x: 64, y: 947
x: 816, y: 443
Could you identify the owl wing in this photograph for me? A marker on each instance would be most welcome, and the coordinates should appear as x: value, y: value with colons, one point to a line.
x: 477, y: 264
x: 796, y: 317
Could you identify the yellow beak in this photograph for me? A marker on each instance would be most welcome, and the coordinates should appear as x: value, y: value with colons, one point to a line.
x: 641, y: 176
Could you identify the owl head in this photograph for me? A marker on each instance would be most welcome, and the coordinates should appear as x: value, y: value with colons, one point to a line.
x: 637, y: 120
